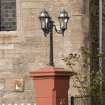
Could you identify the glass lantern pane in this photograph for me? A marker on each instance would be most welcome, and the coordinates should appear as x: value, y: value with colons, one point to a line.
x: 43, y: 24
x: 46, y: 21
x: 65, y: 20
x: 62, y: 23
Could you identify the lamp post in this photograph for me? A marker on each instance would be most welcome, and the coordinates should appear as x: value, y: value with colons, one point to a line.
x: 47, y: 25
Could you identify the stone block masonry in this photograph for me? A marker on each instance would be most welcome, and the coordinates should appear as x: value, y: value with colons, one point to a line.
x: 26, y: 48
x: 19, y: 104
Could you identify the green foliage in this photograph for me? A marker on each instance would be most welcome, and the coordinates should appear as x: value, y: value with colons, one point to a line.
x: 93, y: 88
x: 71, y: 59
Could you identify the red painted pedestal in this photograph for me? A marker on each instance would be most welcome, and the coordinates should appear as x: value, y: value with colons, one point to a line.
x: 51, y: 86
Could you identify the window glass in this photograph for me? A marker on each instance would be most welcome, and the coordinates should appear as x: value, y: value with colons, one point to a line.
x: 7, y: 15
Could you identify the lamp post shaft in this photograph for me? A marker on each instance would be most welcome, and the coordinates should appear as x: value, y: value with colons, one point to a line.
x: 47, y: 25
x: 51, y: 58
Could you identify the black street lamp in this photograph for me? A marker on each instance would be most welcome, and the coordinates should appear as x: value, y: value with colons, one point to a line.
x: 47, y: 25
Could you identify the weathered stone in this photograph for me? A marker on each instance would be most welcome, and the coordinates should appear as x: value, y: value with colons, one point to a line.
x: 26, y: 48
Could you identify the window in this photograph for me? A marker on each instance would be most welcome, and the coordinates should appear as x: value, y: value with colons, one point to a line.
x: 7, y: 15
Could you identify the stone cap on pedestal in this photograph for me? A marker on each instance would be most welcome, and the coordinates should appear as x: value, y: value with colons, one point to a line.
x: 51, y: 71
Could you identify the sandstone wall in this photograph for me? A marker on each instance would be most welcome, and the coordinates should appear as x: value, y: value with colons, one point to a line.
x: 26, y: 48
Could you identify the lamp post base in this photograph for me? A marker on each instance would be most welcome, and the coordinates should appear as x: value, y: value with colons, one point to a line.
x: 51, y: 86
